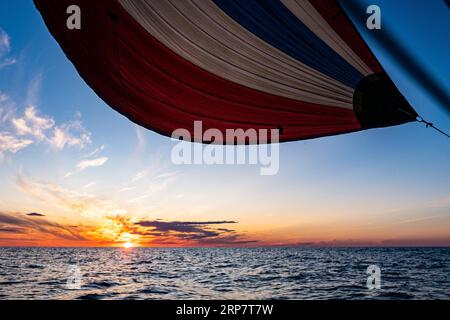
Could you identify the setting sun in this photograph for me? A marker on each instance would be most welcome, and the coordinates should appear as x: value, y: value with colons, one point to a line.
x: 128, y: 245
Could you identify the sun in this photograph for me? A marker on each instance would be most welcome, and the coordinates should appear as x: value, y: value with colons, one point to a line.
x: 128, y: 240
x: 128, y: 245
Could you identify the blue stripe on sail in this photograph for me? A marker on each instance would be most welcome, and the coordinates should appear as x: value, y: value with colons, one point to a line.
x: 271, y: 21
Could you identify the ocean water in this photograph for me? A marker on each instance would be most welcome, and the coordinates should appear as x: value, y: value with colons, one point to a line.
x: 223, y: 273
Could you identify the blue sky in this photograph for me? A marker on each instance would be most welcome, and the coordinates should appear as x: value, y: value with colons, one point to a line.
x: 377, y: 185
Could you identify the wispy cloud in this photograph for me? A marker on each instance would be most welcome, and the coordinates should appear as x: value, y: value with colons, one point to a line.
x: 423, y: 218
x: 89, y: 185
x: 7, y: 62
x: 5, y: 42
x: 82, y: 165
x: 141, y: 142
x: 83, y: 203
x: 125, y: 189
x: 23, y: 127
x: 9, y: 143
x: 94, y: 152
x: 70, y: 134
x: 34, y: 89
x: 20, y: 131
x: 7, y: 109
x: 31, y: 124
x: 64, y: 135
x: 3, y: 97
x: 89, y: 163
x: 28, y: 224
x: 5, y: 48
x: 153, y: 185
x: 441, y: 202
x: 150, y: 181
x: 138, y: 176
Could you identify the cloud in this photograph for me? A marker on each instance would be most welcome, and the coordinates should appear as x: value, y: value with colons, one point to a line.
x: 22, y: 131
x: 84, y: 203
x: 17, y: 223
x: 5, y: 42
x: 7, y: 62
x: 183, y: 226
x: 11, y: 230
x: 31, y: 124
x: 124, y: 189
x: 141, y: 141
x: 70, y: 134
x: 113, y: 229
x: 5, y: 48
x: 9, y: 143
x: 6, y: 109
x: 194, y: 232
x: 95, y: 152
x: 423, y: 218
x: 35, y: 214
x: 138, y: 176
x: 62, y: 137
x: 82, y: 165
x: 153, y: 185
x: 3, y: 97
x: 34, y: 87
x: 89, y: 185
x: 115, y: 225
x: 19, y: 130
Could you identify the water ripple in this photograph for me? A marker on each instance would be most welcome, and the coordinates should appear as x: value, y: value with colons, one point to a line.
x: 225, y: 273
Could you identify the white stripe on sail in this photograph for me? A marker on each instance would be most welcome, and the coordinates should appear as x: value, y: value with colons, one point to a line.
x: 204, y: 35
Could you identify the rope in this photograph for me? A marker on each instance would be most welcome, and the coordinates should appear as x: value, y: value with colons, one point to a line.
x: 422, y: 120
x: 430, y: 125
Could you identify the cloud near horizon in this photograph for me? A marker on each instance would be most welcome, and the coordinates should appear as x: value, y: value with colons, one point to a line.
x: 113, y: 230
x: 110, y: 223
x: 28, y: 225
x: 36, y: 229
x: 191, y: 232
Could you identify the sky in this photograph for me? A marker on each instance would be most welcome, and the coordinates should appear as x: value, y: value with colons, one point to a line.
x: 74, y: 172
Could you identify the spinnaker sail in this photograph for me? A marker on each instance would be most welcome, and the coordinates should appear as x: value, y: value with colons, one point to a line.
x: 295, y: 65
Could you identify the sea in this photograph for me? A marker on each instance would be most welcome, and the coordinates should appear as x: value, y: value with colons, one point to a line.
x: 225, y: 273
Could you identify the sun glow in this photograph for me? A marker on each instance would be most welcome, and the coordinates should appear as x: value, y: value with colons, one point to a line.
x: 128, y: 240
x: 128, y: 245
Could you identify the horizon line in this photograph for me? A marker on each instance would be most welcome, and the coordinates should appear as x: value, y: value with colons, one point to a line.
x: 236, y: 247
